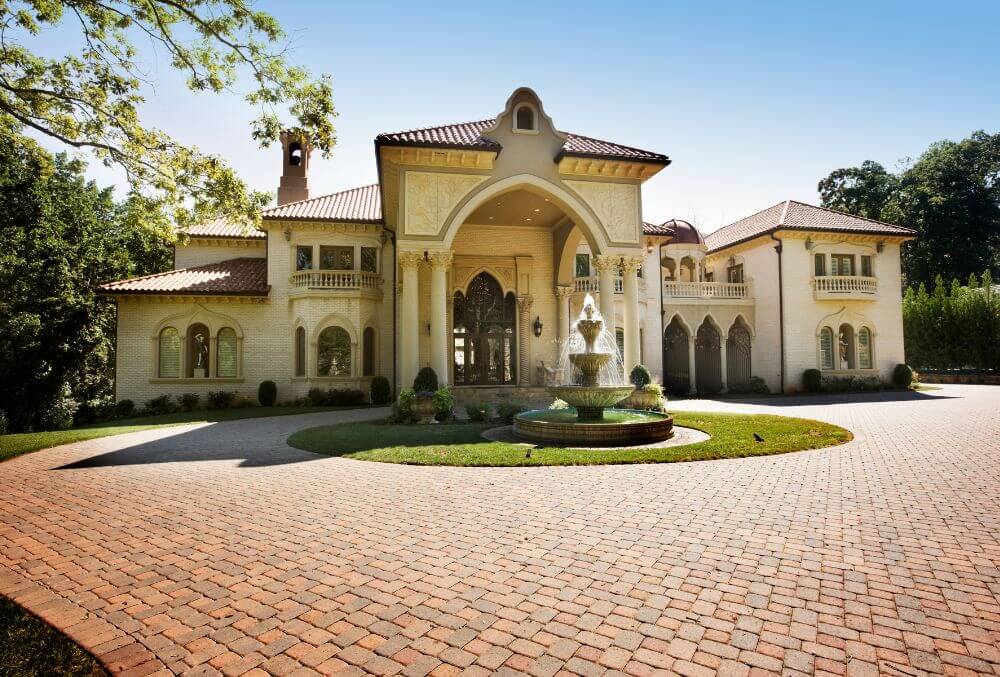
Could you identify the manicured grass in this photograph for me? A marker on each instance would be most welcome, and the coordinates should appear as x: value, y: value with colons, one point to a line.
x: 29, y: 646
x: 461, y: 443
x: 21, y: 443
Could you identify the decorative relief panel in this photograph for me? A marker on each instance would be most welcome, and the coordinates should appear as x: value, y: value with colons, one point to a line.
x: 503, y: 268
x: 430, y: 197
x: 616, y: 205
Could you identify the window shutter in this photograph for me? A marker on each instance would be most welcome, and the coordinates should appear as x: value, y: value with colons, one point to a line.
x: 170, y: 353
x: 864, y: 348
x: 820, y: 260
x: 826, y: 348
x: 226, y: 346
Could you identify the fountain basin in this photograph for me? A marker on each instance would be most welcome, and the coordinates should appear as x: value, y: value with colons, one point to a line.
x: 620, y: 427
x: 590, y: 401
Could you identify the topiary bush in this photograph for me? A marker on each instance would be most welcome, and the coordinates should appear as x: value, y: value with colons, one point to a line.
x: 508, y: 410
x: 381, y: 391
x: 267, y: 393
x: 477, y: 413
x: 221, y: 399
x: 902, y: 376
x: 758, y: 386
x: 426, y: 381
x: 444, y: 404
x: 159, y: 405
x: 640, y: 377
x: 812, y: 380
x: 124, y: 408
x: 189, y: 401
x: 402, y: 411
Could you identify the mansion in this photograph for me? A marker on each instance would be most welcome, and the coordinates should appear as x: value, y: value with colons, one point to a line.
x: 473, y: 253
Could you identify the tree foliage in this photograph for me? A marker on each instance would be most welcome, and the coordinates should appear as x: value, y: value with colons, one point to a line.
x: 950, y: 196
x: 60, y: 237
x: 89, y: 98
x: 953, y: 326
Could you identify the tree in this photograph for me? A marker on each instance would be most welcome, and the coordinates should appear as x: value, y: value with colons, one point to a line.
x: 89, y: 99
x: 60, y: 237
x: 950, y: 196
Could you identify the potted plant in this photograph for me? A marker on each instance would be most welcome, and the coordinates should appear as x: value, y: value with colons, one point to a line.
x: 424, y: 387
x: 647, y: 396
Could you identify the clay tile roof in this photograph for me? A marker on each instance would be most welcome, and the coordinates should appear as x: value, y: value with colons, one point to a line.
x: 793, y: 215
x: 357, y: 205
x: 652, y: 229
x: 225, y: 229
x: 470, y: 135
x: 235, y: 277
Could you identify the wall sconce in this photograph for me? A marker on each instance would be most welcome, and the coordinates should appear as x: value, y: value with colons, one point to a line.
x: 428, y: 328
x: 288, y: 234
x: 537, y: 326
x: 809, y: 243
x: 880, y: 246
x: 649, y: 247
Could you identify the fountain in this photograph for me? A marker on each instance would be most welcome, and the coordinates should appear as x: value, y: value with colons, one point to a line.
x: 592, y: 421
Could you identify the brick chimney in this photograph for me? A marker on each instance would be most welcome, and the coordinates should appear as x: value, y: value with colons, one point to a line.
x: 294, y: 185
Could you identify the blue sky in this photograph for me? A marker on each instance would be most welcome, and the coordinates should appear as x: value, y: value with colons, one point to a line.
x: 754, y: 101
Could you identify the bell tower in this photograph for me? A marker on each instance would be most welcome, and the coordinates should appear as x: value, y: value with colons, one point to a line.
x: 294, y: 184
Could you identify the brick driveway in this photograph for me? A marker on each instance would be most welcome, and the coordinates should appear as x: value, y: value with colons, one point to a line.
x: 216, y: 548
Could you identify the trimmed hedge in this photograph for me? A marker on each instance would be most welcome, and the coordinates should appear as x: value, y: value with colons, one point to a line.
x: 426, y: 381
x: 267, y: 393
x: 381, y: 391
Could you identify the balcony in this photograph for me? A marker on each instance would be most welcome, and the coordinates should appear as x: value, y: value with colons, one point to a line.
x: 838, y: 287
x: 692, y: 293
x: 303, y: 281
x: 592, y: 285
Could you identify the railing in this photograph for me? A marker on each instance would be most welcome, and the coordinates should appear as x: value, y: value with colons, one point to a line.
x: 335, y: 279
x: 593, y: 284
x: 706, y: 290
x: 845, y: 284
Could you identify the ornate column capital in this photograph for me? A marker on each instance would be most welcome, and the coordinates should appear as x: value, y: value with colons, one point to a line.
x: 410, y: 260
x: 441, y: 259
x: 631, y: 264
x: 524, y: 303
x: 563, y: 291
x: 604, y: 262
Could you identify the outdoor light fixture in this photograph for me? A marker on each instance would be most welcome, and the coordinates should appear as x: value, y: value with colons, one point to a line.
x: 537, y: 326
x: 649, y: 248
x: 880, y: 246
x: 809, y: 243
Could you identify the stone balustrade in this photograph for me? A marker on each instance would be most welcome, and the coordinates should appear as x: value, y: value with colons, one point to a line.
x: 845, y: 286
x: 334, y: 279
x: 706, y: 290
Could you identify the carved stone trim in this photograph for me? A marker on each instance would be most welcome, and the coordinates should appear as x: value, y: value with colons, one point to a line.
x: 631, y: 264
x: 441, y: 259
x: 563, y: 291
x: 430, y: 197
x: 603, y: 262
x: 410, y: 260
x: 616, y: 205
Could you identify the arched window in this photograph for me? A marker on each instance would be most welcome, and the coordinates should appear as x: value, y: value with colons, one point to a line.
x: 847, y: 347
x: 826, y: 348
x: 864, y: 348
x: 368, y: 352
x: 333, y: 352
x: 300, y: 351
x: 295, y: 153
x: 197, y: 351
x: 524, y: 119
x: 225, y: 353
x: 170, y: 353
x: 483, y: 338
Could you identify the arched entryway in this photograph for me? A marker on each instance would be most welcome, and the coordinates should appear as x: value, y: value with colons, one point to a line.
x: 738, y: 368
x: 484, y: 335
x: 708, y: 359
x: 676, y: 375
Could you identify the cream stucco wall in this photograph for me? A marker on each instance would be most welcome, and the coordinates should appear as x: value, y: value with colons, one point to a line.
x: 199, y: 252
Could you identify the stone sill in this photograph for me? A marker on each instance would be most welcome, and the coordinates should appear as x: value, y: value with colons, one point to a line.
x: 193, y: 380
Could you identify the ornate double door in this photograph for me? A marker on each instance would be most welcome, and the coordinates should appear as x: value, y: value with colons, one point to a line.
x: 484, y: 337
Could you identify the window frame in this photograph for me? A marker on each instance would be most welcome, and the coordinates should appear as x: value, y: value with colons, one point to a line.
x: 825, y: 364
x: 344, y: 248
x: 735, y: 271
x: 576, y: 265
x: 178, y: 366
x: 819, y: 265
x: 301, y: 353
x: 350, y: 352
x: 865, y: 350
x: 361, y: 259
x: 870, y: 261
x: 836, y: 270
x: 312, y: 257
x: 218, y: 353
x: 515, y: 123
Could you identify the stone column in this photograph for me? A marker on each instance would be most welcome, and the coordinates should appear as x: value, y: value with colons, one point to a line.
x: 607, y: 267
x: 722, y: 362
x: 630, y: 289
x: 563, y: 293
x: 523, y: 332
x: 440, y: 265
x: 409, y: 318
x: 691, y: 362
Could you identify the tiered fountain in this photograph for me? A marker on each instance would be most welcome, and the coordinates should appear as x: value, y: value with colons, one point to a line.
x: 591, y: 422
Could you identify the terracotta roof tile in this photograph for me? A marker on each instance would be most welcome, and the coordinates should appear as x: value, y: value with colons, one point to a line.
x: 235, y: 277
x: 469, y: 135
x: 360, y: 205
x: 793, y: 215
x: 225, y: 229
x: 654, y: 229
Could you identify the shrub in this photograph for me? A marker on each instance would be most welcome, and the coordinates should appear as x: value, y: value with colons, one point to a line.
x: 444, y: 404
x: 221, y: 399
x: 124, y: 408
x: 559, y: 404
x: 90, y: 411
x: 4, y: 426
x: 159, y: 405
x: 758, y: 386
x: 316, y: 397
x: 426, y: 381
x: 477, y: 413
x: 189, y: 401
x: 812, y: 379
x: 508, y: 410
x: 342, y: 397
x: 60, y: 415
x: 902, y: 376
x: 381, y: 391
x: 639, y: 376
x: 267, y: 393
x: 842, y: 384
x: 402, y: 411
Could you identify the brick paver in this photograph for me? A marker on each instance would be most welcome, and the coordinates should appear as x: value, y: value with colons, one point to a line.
x: 216, y: 549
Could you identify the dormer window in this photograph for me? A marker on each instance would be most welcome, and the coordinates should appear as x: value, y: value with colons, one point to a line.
x: 525, y: 118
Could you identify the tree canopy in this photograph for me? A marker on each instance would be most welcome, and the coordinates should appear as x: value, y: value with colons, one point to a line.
x: 950, y: 196
x: 90, y: 97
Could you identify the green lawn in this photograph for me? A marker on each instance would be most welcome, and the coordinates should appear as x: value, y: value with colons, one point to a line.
x: 21, y: 443
x: 461, y: 443
x: 29, y: 646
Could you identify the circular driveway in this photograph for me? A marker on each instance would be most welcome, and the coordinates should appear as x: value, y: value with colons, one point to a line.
x: 216, y: 548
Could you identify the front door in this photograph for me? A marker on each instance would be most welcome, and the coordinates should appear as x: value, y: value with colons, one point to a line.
x: 484, y: 334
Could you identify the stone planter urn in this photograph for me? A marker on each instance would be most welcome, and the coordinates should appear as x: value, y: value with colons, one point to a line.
x: 641, y: 398
x: 423, y: 407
